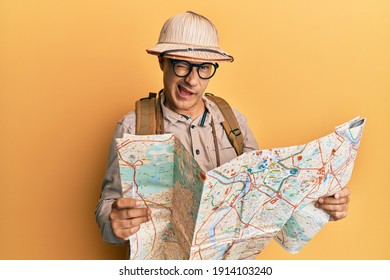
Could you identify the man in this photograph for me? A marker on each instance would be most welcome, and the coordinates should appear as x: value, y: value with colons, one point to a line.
x: 188, y: 52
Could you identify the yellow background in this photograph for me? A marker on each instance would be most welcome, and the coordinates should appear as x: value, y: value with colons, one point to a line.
x: 70, y: 69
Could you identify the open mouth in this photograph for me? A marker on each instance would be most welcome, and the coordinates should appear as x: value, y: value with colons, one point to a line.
x: 184, y: 92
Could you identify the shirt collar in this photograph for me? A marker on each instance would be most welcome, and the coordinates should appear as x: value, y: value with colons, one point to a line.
x: 213, y: 110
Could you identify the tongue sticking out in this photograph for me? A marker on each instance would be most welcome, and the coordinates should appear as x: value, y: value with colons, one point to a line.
x: 183, y: 93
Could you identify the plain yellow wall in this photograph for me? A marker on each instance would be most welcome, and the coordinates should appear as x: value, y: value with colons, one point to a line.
x: 70, y: 69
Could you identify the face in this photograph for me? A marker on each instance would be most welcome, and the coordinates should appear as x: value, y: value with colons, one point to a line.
x: 183, y: 95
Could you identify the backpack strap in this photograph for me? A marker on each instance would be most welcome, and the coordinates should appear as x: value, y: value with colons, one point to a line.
x: 230, y: 123
x: 159, y: 116
x: 149, y: 119
x: 145, y: 109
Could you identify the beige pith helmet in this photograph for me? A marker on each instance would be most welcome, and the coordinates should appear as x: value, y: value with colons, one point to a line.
x: 189, y: 36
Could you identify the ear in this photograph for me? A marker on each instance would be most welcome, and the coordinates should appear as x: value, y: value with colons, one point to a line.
x: 161, y: 61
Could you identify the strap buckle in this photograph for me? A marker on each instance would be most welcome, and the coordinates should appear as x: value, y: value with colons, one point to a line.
x: 236, y: 131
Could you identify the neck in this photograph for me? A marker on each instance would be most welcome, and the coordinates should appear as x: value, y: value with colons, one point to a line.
x: 192, y: 112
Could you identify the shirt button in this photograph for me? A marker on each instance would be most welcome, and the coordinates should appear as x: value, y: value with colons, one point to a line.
x: 192, y: 126
x: 197, y: 152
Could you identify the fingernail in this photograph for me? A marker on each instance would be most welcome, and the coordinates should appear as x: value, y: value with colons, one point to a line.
x: 321, y: 200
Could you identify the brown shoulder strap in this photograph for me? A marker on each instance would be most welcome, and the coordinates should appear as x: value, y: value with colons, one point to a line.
x: 149, y: 116
x: 159, y: 116
x: 145, y: 109
x: 230, y: 124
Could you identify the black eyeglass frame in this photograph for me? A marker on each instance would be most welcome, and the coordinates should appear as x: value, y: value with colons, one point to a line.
x: 192, y: 65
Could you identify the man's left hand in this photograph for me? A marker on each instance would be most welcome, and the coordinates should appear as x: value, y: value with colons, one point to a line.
x: 337, y: 205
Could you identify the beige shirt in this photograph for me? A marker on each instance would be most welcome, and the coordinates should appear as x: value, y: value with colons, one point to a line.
x: 195, y: 135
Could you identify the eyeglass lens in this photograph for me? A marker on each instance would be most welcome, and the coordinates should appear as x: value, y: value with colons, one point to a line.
x: 183, y: 68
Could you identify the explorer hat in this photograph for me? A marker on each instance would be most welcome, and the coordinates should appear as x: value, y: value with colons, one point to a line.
x: 189, y: 36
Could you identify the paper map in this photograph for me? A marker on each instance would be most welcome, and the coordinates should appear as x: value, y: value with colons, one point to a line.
x: 232, y: 211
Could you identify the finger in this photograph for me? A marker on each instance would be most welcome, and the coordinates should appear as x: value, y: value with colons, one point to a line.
x: 343, y: 193
x: 123, y: 203
x: 138, y: 212
x: 124, y: 228
x: 131, y: 213
x: 134, y: 213
x: 126, y: 224
x: 332, y: 207
x: 124, y: 234
x: 335, y: 216
x: 333, y: 200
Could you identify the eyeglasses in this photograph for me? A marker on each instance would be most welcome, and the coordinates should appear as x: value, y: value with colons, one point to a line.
x: 183, y: 68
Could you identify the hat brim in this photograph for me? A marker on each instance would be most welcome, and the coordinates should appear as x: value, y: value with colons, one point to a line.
x: 189, y: 53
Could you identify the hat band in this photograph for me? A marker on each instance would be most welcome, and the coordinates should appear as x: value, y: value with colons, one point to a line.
x: 194, y: 50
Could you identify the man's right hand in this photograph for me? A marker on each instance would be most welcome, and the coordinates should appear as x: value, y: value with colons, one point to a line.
x: 127, y: 214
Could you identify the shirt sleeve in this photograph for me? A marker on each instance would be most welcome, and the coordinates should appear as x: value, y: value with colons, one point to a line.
x: 111, y: 186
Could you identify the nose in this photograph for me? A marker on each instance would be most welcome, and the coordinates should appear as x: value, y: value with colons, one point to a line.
x: 192, y: 78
